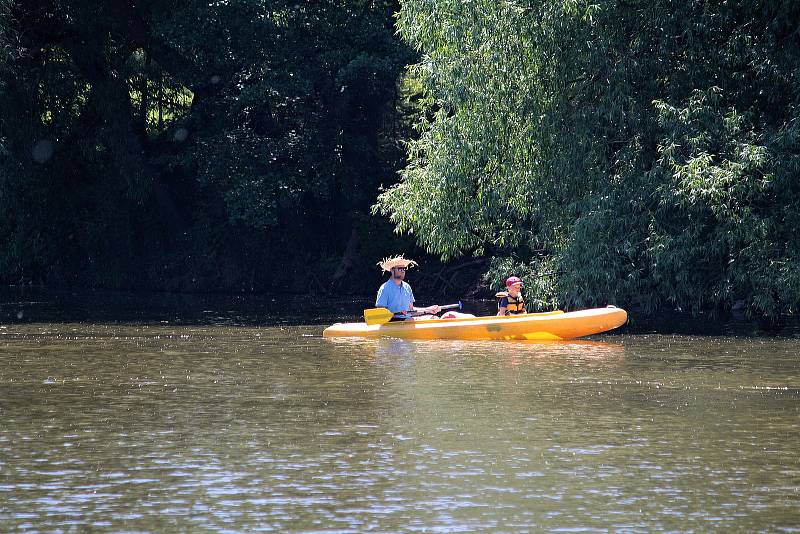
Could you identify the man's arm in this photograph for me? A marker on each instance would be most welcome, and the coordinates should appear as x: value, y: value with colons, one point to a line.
x: 428, y: 309
x: 381, y: 301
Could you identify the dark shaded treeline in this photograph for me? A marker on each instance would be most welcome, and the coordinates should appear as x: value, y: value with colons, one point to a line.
x: 183, y: 145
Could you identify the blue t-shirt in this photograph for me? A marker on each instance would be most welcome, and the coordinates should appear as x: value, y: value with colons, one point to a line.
x: 395, y: 297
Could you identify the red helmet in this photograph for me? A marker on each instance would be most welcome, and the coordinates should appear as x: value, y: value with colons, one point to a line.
x: 513, y: 280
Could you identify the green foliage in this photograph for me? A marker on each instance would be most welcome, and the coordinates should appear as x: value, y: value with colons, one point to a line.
x: 639, y: 153
x: 186, y: 145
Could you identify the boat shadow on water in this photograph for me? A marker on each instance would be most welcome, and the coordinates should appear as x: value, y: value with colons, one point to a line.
x: 514, y: 352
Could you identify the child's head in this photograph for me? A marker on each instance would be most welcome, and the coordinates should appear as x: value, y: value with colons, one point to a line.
x: 513, y: 285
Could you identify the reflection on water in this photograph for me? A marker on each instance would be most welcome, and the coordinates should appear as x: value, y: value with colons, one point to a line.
x: 508, y: 353
x: 38, y: 306
x: 148, y: 428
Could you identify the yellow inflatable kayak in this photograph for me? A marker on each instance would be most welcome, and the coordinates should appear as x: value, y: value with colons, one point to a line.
x: 555, y: 325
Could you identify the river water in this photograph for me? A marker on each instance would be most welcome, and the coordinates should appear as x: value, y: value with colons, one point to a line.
x: 216, y: 421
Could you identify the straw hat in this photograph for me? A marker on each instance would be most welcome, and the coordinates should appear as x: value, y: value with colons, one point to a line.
x: 387, y: 264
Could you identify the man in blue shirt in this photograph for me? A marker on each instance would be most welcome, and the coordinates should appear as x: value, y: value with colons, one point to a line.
x: 396, y: 295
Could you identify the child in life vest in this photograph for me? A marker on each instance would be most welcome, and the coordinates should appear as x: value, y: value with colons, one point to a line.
x: 511, y: 302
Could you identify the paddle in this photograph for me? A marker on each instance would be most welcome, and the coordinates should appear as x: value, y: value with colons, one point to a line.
x: 383, y: 315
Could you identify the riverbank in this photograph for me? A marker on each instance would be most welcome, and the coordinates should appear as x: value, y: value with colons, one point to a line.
x: 37, y: 305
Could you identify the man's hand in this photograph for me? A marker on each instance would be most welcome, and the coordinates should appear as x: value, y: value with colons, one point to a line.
x: 433, y: 309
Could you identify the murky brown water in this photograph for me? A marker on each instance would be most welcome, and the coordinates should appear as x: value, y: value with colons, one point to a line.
x: 218, y: 428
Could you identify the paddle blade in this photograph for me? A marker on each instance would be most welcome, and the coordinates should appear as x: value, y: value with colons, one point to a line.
x: 377, y: 316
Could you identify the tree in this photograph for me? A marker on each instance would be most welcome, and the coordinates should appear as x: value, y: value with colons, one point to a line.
x: 642, y: 153
x: 186, y: 145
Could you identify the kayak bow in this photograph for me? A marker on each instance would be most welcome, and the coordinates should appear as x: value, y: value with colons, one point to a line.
x: 555, y: 325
